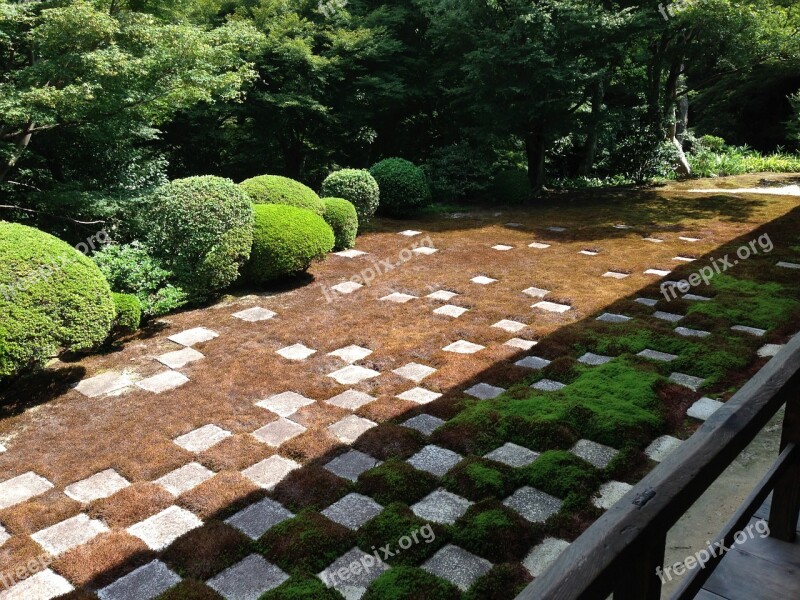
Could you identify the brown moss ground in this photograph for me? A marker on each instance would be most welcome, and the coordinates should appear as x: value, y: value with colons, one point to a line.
x: 65, y: 437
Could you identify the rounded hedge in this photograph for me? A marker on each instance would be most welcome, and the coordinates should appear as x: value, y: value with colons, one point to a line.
x: 341, y: 215
x: 52, y: 298
x: 286, y: 240
x: 274, y: 189
x: 356, y: 186
x: 402, y: 184
x: 127, y: 312
x: 201, y: 228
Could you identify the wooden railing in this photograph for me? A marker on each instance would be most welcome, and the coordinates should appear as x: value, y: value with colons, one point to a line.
x: 619, y: 553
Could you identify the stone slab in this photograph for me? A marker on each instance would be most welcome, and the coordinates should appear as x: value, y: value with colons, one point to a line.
x: 595, y: 454
x: 532, y: 362
x: 557, y: 229
x: 647, y: 301
x: 533, y: 505
x: 588, y: 252
x: 535, y: 292
x: 351, y: 400
x: 688, y: 332
x: 483, y: 280
x: 184, y: 478
x: 162, y: 382
x: 616, y: 275
x: 255, y: 520
x: 101, y: 385
x: 353, y: 374
x: 351, y: 253
x: 44, y: 585
x: 285, y: 404
x: 190, y: 337
x: 610, y: 493
x: 160, y: 530
x: 202, y: 439
x: 613, y: 318
x: 657, y: 356
x: 399, y: 298
x: 539, y: 246
x: 520, y: 343
x: 414, y: 372
x: 657, y: 272
x: 456, y: 565
x: 100, y: 485
x: 463, y: 347
x: 346, y: 287
x: 661, y: 447
x: 788, y: 265
x: 410, y: 232
x: 484, y: 391
x: 21, y: 488
x: 349, y: 429
x: 352, y: 464
x: 68, y: 534
x: 296, y: 352
x: 704, y: 408
x: 145, y: 583
x: 351, y: 354
x: 696, y: 298
x: 271, y: 471
x: 425, y: 250
x: 502, y: 247
x: 590, y: 358
x: 654, y: 240
x: 179, y: 358
x: 553, y: 307
x: 684, y: 238
x: 443, y: 295
x: 667, y: 316
x: 441, y: 507
x: 255, y: 314
x: 425, y: 424
x: 749, y: 330
x: 248, y: 579
x: 769, y: 350
x: 513, y: 455
x: 450, y: 310
x: 543, y: 555
x: 353, y: 511
x: 435, y: 460
x: 419, y: 395
x: 548, y: 385
x: 279, y: 431
x: 349, y: 576
x: 689, y: 381
x: 510, y: 326
x: 4, y: 535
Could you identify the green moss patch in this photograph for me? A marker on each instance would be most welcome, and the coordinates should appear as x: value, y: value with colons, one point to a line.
x: 408, y: 583
x: 478, y: 478
x: 396, y: 481
x: 560, y: 474
x: 395, y: 522
x: 496, y: 533
x: 502, y: 582
x: 302, y: 588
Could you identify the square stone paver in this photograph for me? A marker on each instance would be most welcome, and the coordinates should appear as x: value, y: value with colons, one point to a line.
x: 513, y: 455
x: 425, y: 250
x: 484, y: 391
x: 247, y: 580
x: 410, y: 232
x: 654, y: 240
x: 553, y: 307
x: 463, y: 347
x: 590, y: 358
x: 596, y: 454
x: 351, y: 354
x: 163, y: 382
x: 510, y: 326
x: 346, y: 287
x: 657, y: 356
x: 704, y: 408
x: 100, y: 485
x: 613, y: 318
x: 285, y: 403
x: 353, y: 511
x: 441, y: 507
x: 616, y: 275
x: 513, y: 224
x: 399, y: 298
x: 588, y: 252
x: 352, y: 573
x: 425, y: 424
x: 667, y: 316
x: 622, y: 226
x: 255, y: 520
x: 539, y: 246
x: 520, y: 343
x: 68, y: 534
x: 276, y: 433
x: 351, y: 253
x: 787, y: 265
x: 202, y: 439
x: 749, y: 330
x: 190, y: 337
x: 769, y: 350
x: 548, y: 385
x: 414, y: 371
x: 349, y: 429
x: 544, y: 555
x: 557, y: 229
x: 296, y: 352
x: 160, y: 530
x: 533, y: 505
x: 647, y: 301
x: 271, y: 471
x: 4, y: 535
x: 696, y: 298
x: 255, y: 314
x: 456, y: 565
x: 535, y: 292
x: 483, y: 280
x: 435, y: 460
x: 502, y: 247
x: 44, y: 585
x: 532, y: 362
x: 661, y: 447
x: 351, y: 400
x: 100, y: 385
x: 179, y: 358
x: 352, y: 464
x: 450, y: 310
x: 688, y: 332
x: 145, y: 583
x: 683, y: 259
x: 689, y: 381
x: 658, y: 272
x: 419, y: 395
x: 688, y: 239
x: 353, y: 374
x: 443, y: 295
x: 184, y: 478
x: 21, y: 488
x: 610, y: 493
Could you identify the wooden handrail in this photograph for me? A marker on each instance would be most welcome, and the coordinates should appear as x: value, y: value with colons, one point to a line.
x: 619, y: 553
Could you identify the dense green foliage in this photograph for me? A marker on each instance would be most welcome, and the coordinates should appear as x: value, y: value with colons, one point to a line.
x: 127, y: 312
x: 286, y: 240
x: 341, y: 215
x: 357, y: 187
x: 402, y: 185
x: 201, y: 229
x: 52, y: 298
x: 511, y: 186
x: 273, y: 189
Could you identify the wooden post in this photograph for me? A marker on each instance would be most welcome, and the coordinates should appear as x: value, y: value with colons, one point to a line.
x: 637, y: 578
x: 785, y: 508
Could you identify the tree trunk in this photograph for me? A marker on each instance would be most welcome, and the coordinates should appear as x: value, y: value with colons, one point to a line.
x: 590, y: 149
x: 21, y: 142
x: 535, y: 150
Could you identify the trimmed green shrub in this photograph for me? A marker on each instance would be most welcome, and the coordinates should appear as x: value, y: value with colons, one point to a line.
x: 274, y: 189
x: 512, y: 186
x: 128, y: 312
x: 341, y: 215
x: 201, y: 229
x: 356, y: 186
x: 402, y: 184
x: 286, y: 240
x: 129, y: 269
x: 52, y: 298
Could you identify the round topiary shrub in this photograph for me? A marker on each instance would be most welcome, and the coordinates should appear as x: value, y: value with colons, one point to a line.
x: 341, y: 215
x: 128, y: 312
x: 201, y: 229
x: 356, y: 186
x: 402, y: 184
x: 286, y: 240
x: 512, y: 186
x: 274, y: 189
x: 52, y: 298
